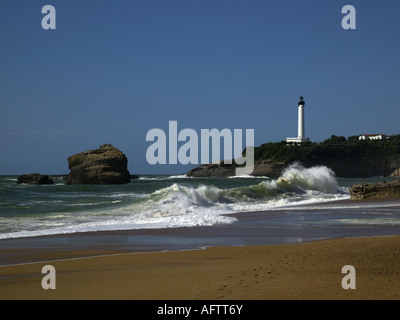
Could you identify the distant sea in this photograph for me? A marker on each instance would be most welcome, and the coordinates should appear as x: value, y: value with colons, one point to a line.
x: 170, y: 201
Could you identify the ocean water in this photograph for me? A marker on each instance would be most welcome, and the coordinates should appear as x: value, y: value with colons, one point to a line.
x: 160, y: 201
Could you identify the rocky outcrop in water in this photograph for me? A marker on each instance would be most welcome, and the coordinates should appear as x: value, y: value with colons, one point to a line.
x: 35, y: 178
x: 265, y: 168
x: 106, y: 165
x: 269, y: 169
x: 219, y: 170
x: 379, y: 190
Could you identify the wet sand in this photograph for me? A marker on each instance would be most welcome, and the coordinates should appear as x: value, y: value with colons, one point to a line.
x: 288, y: 271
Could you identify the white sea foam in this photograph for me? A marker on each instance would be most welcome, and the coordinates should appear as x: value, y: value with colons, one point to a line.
x: 167, y: 177
x: 149, y: 178
x: 179, y: 176
x: 247, y: 176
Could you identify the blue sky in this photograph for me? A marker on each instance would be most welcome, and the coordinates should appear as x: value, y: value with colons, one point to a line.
x: 113, y: 70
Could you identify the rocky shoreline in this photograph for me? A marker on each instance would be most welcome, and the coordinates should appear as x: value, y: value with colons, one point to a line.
x: 265, y: 169
x: 268, y: 168
x: 379, y: 190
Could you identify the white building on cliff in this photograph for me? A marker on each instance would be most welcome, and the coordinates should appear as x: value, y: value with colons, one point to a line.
x: 379, y: 136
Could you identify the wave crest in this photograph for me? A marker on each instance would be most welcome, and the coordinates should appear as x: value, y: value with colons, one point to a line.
x: 296, y: 183
x: 318, y: 178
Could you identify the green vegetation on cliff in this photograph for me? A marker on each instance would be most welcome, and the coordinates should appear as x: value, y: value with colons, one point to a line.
x: 348, y: 157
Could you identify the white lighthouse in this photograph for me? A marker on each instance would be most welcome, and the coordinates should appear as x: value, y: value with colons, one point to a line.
x: 301, y: 129
x: 301, y: 118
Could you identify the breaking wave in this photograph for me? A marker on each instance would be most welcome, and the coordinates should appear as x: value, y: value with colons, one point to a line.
x: 296, y: 185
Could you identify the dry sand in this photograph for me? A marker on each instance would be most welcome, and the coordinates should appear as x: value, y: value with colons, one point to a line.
x: 291, y: 271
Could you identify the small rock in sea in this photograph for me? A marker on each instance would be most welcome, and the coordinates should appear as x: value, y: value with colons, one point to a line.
x: 34, y: 178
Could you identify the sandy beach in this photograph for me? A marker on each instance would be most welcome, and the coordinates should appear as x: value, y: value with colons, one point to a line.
x: 309, y: 270
x: 251, y: 259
